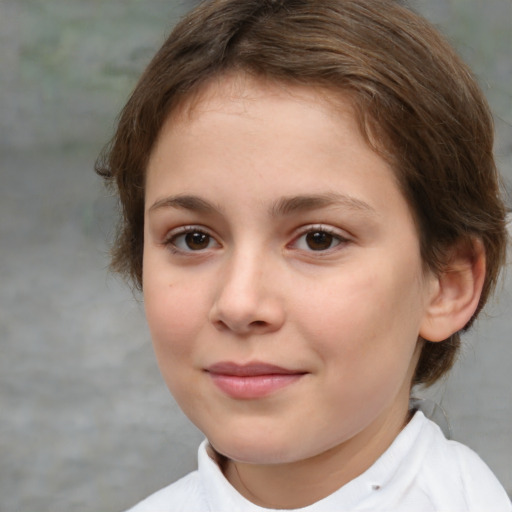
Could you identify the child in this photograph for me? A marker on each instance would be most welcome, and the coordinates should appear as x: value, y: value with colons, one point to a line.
x: 311, y: 209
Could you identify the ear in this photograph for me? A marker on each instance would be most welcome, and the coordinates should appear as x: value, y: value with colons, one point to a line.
x: 455, y: 292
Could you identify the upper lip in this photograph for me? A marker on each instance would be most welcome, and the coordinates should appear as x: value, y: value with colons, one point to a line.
x: 250, y: 369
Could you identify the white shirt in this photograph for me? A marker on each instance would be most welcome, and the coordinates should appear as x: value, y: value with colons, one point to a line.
x: 421, y: 471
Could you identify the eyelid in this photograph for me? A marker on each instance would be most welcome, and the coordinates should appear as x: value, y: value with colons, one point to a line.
x: 183, y: 230
x: 328, y: 228
x: 340, y: 234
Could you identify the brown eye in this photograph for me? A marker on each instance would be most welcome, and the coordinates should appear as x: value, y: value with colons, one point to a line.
x: 320, y: 240
x: 191, y: 241
x: 197, y: 241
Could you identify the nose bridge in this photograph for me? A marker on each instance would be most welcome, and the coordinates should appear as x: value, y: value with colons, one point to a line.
x: 245, y: 272
x: 247, y: 297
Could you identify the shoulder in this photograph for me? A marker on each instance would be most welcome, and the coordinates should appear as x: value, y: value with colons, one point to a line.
x: 483, y: 490
x: 183, y: 495
x: 453, y: 473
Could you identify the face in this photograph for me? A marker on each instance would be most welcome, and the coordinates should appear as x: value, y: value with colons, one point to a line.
x: 282, y: 278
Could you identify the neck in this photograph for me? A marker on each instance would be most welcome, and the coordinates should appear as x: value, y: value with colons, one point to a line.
x: 301, y: 483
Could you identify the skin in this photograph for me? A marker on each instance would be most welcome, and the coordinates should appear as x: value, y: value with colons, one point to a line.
x: 343, y: 308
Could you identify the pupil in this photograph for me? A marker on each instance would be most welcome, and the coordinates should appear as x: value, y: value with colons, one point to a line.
x: 197, y: 241
x: 319, y: 240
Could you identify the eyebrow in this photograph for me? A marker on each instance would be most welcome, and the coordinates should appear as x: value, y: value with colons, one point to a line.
x: 283, y: 207
x: 303, y: 203
x: 185, y: 202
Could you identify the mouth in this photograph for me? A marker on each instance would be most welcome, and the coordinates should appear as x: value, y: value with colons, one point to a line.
x: 253, y: 380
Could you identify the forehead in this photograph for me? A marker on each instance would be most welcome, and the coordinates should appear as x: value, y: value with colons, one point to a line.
x: 239, y: 109
x: 285, y: 141
x: 232, y: 91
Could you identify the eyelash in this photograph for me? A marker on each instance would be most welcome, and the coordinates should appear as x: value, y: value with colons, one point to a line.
x: 170, y: 241
x: 319, y: 228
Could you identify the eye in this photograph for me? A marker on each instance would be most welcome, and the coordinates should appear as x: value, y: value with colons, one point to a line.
x: 318, y: 239
x: 191, y: 239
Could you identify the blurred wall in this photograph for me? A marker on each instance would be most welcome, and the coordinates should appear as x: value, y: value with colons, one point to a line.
x: 86, y: 423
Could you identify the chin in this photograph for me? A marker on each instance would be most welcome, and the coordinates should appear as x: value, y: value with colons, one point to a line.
x: 256, y: 449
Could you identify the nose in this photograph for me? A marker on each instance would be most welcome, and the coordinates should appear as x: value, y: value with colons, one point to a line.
x: 247, y: 299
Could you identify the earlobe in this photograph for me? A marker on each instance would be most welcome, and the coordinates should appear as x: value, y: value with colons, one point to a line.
x: 455, y: 292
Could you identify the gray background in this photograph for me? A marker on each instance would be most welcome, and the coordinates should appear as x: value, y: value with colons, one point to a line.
x: 86, y: 423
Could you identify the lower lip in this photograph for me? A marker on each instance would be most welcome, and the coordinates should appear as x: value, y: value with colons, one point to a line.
x: 253, y: 386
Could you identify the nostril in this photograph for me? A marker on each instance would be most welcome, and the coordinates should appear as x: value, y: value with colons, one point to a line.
x: 220, y: 325
x: 258, y: 323
x: 246, y: 317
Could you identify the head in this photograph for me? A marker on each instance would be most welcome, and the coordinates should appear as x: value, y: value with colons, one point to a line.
x: 416, y: 105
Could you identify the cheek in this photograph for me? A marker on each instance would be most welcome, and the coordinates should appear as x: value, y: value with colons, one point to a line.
x: 172, y: 313
x: 341, y: 307
x: 367, y: 317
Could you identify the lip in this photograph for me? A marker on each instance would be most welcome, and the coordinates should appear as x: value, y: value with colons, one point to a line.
x: 252, y: 380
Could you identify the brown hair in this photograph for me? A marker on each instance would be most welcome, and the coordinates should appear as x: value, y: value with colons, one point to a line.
x: 416, y: 102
